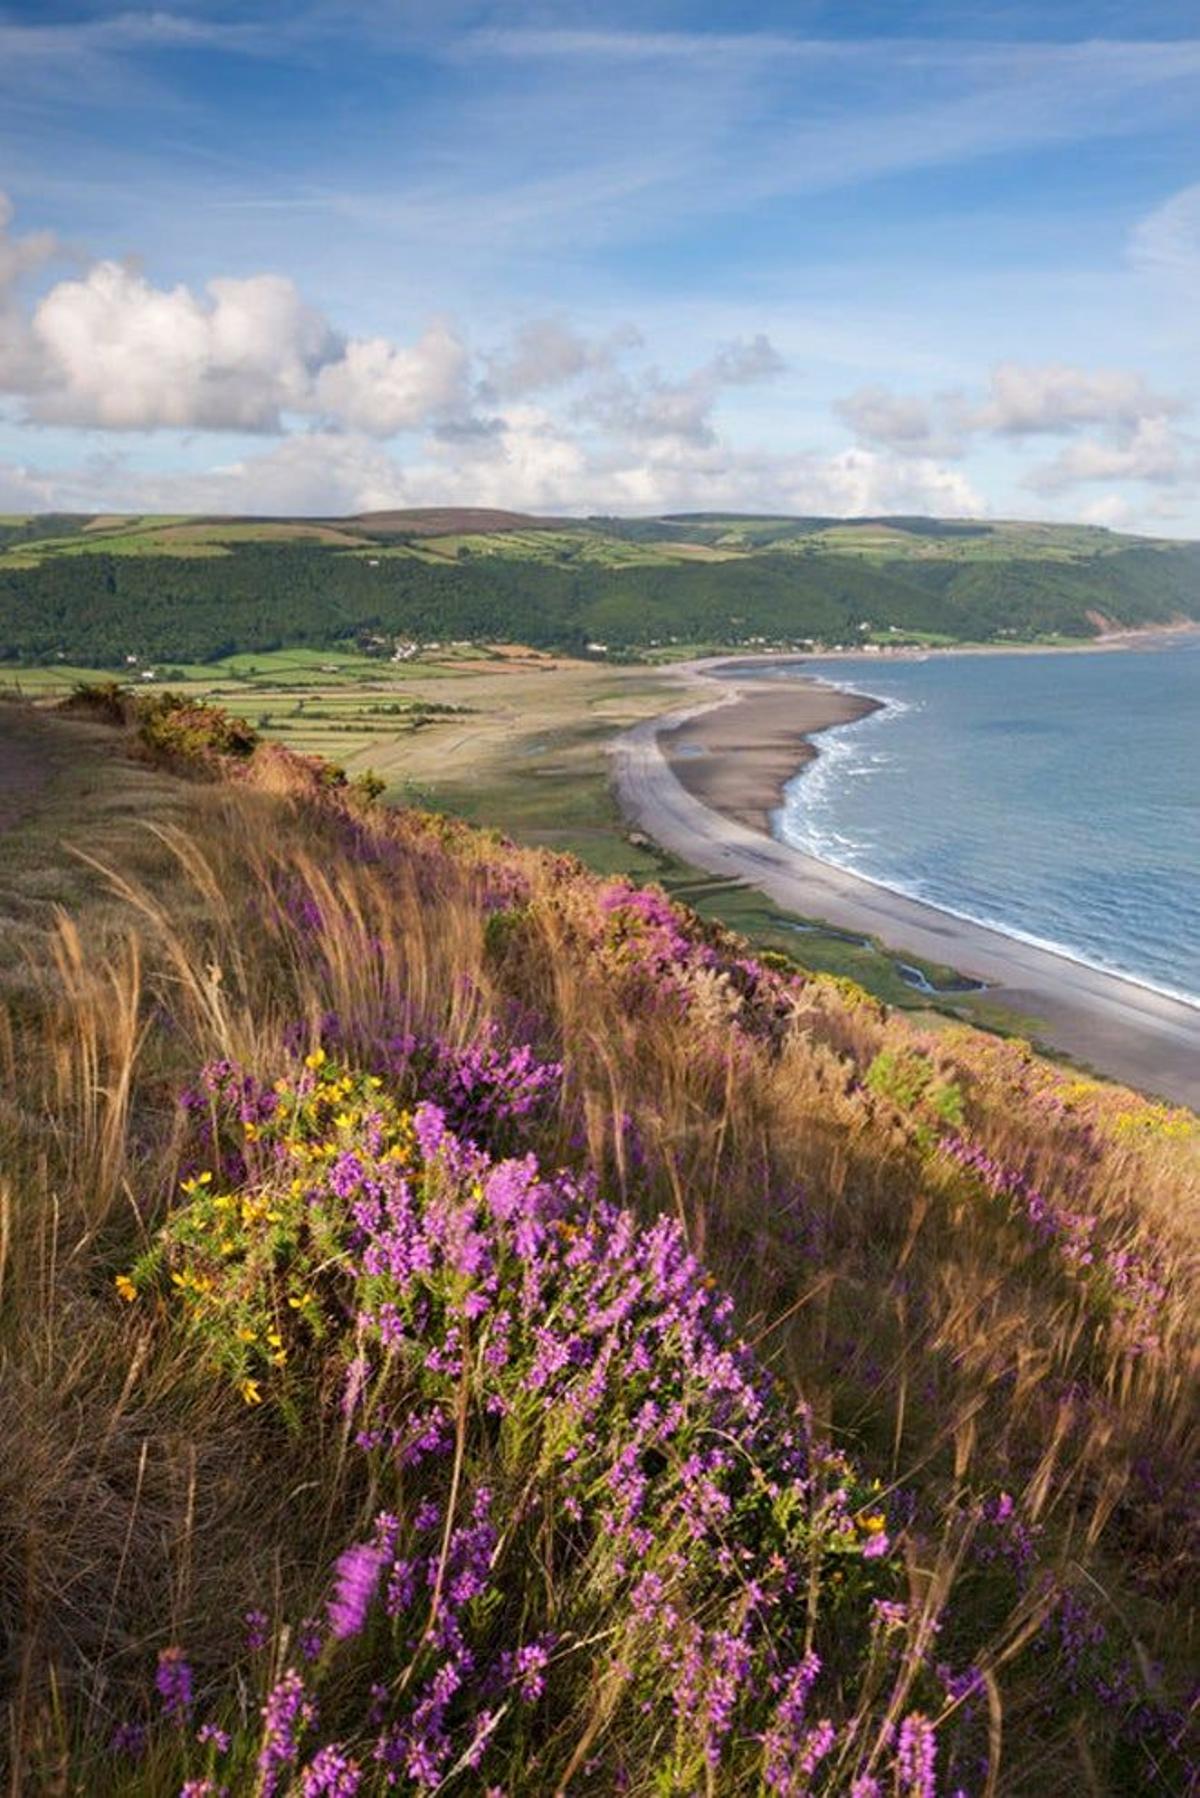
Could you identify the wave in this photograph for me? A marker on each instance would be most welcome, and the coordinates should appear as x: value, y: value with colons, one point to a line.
x: 841, y: 754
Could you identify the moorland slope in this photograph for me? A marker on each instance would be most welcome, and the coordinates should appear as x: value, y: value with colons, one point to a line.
x: 470, y: 1326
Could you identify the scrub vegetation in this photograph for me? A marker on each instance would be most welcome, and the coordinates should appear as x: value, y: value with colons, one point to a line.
x: 472, y: 1325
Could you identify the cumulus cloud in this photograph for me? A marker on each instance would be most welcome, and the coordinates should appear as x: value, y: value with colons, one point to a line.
x: 1027, y: 399
x: 863, y: 481
x: 745, y: 360
x: 652, y: 408
x: 118, y: 353
x: 378, y: 387
x: 902, y: 421
x: 110, y: 350
x: 1152, y: 451
x: 1114, y: 425
x: 27, y: 490
x: 1111, y: 510
x: 547, y: 352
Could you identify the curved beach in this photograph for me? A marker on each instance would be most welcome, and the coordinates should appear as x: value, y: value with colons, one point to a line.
x: 704, y: 781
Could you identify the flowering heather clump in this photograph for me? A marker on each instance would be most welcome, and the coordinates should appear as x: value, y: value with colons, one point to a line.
x: 524, y: 1364
x: 487, y: 1088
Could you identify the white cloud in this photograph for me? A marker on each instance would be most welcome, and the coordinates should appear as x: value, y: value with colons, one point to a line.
x: 121, y: 354
x: 20, y: 257
x: 27, y: 490
x: 898, y: 421
x: 1029, y: 398
x: 1110, y: 510
x: 529, y: 461
x: 865, y: 481
x: 744, y: 361
x: 547, y: 352
x: 652, y: 408
x: 1153, y: 451
x: 111, y: 351
x: 1117, y: 428
x: 378, y: 387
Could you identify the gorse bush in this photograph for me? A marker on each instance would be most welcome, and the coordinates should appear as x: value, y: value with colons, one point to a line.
x: 470, y: 1327
x: 188, y: 730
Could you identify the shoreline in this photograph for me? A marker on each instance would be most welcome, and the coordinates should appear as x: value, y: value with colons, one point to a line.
x: 704, y: 781
x: 742, y: 768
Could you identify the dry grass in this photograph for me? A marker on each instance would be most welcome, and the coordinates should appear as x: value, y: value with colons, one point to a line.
x: 140, y: 1504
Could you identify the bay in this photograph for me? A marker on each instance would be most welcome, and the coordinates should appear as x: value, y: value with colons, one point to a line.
x: 1053, y: 796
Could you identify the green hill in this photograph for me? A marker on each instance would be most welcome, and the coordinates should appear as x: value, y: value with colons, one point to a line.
x: 94, y: 590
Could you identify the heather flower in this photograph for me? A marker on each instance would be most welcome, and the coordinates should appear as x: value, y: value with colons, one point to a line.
x: 256, y: 1631
x: 330, y: 1774
x: 287, y: 1714
x: 531, y: 1670
x: 916, y: 1751
x: 358, y: 1574
x: 173, y: 1682
x: 209, y: 1735
x: 128, y: 1739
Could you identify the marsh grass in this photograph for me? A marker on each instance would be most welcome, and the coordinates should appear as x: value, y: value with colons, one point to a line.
x: 950, y: 1349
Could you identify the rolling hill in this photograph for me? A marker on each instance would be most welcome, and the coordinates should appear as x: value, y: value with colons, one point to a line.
x: 98, y: 589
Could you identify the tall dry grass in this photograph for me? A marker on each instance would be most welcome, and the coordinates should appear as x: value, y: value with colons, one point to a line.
x: 947, y: 1351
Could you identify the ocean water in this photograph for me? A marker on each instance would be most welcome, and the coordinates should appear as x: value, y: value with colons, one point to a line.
x: 1056, y: 797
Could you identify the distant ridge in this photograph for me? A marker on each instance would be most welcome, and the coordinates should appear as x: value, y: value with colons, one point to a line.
x: 95, y: 591
x: 447, y: 521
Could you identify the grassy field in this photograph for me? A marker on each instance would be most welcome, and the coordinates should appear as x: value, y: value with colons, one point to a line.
x: 615, y: 543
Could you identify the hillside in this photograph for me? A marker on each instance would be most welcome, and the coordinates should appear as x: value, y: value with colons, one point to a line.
x: 472, y: 1326
x: 96, y: 590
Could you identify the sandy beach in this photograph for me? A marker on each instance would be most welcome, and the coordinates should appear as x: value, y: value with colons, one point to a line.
x: 704, y: 780
x: 739, y: 756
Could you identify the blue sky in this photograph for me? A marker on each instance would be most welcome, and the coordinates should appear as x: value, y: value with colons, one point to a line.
x: 825, y: 258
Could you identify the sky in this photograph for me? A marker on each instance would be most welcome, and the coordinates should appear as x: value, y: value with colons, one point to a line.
x: 337, y: 255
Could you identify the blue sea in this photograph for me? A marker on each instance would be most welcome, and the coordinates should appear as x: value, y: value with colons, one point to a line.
x: 1056, y: 797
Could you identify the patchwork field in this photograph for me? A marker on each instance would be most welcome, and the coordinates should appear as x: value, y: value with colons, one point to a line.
x: 452, y: 536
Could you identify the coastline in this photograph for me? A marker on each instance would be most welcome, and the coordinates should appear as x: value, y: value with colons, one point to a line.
x: 704, y: 781
x: 738, y: 757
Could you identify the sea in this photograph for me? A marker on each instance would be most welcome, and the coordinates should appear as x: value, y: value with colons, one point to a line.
x: 1054, y: 796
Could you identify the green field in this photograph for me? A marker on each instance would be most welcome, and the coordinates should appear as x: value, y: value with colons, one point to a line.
x: 614, y: 543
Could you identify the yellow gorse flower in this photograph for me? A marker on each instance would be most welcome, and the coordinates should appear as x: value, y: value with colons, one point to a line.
x: 126, y: 1288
